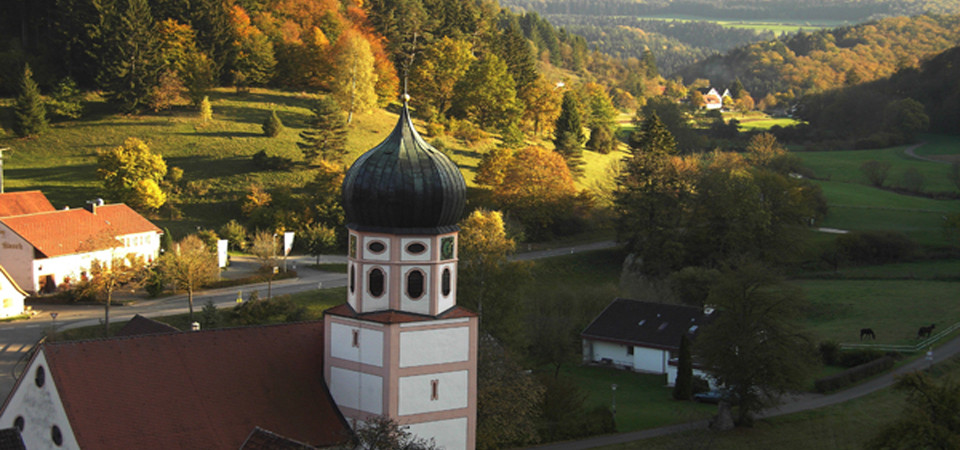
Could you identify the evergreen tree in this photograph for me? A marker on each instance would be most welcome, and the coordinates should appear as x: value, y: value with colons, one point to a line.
x: 601, y: 140
x: 66, y: 100
x: 514, y: 49
x: 736, y: 89
x: 568, y: 135
x: 133, y: 66
x: 683, y: 388
x: 272, y: 126
x: 327, y: 137
x: 30, y: 117
x: 486, y: 93
x: 650, y: 64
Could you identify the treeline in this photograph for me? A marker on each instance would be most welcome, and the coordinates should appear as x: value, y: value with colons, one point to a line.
x: 800, y: 10
x: 807, y: 63
x: 888, y: 111
x: 675, y: 44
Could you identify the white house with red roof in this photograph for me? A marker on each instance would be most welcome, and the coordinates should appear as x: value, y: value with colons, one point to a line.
x: 43, y: 248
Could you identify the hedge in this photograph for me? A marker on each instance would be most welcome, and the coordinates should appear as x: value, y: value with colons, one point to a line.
x: 850, y: 376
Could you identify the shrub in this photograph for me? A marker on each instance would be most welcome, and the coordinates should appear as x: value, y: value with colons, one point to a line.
x: 869, y: 247
x: 154, y: 283
x: 272, y: 126
x: 858, y: 357
x: 210, y: 317
x: 278, y: 309
x: 829, y: 352
x: 66, y: 100
x: 465, y: 130
x: 699, y: 384
x: 876, y: 172
x: 912, y: 180
x: 266, y: 162
x: 850, y: 376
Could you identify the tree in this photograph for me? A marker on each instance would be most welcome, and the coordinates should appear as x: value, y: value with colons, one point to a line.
x: 190, y: 265
x: 537, y: 188
x: 66, y: 100
x: 649, y: 198
x: 382, y: 433
x: 355, y: 79
x: 327, y: 137
x: 272, y: 126
x: 30, y: 117
x: 264, y: 248
x: 541, y: 100
x: 206, y: 110
x: 754, y: 346
x: 875, y: 171
x: 253, y: 58
x: 515, y: 50
x: 318, y: 239
x: 493, y: 166
x: 131, y: 174
x: 568, y: 135
x: 683, y: 388
x: 508, y: 399
x: 695, y: 98
x: 108, y: 276
x: 486, y: 93
x: 435, y: 75
x: 235, y: 234
x: 650, y: 65
x: 905, y: 117
x: 601, y: 140
x: 929, y: 420
x: 763, y: 149
x: 198, y: 76
x: 133, y: 67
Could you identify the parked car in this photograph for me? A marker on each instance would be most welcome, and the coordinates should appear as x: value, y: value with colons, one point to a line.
x: 715, y: 396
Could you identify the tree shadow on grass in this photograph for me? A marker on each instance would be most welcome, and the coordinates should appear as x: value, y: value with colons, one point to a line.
x: 229, y: 134
x: 63, y: 185
x: 258, y: 116
x: 207, y: 168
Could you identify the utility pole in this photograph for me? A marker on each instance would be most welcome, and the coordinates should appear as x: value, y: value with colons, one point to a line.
x: 1, y: 167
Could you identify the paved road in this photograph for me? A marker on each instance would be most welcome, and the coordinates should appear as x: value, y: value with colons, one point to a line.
x: 798, y: 404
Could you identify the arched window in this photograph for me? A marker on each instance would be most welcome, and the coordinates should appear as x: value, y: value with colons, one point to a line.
x: 415, y: 284
x: 353, y: 278
x: 445, y: 282
x: 376, y: 282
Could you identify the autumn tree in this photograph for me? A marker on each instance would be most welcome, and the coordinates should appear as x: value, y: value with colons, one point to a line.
x: 235, y: 234
x: 568, y: 135
x: 355, y: 79
x: 264, y: 247
x: 744, y: 345
x: 537, y: 189
x: 434, y: 76
x: 326, y: 139
x: 189, y: 266
x: 254, y: 59
x: 541, y: 100
x: 29, y: 115
x: 108, y: 276
x: 318, y: 239
x: 131, y: 174
x: 493, y: 166
x: 133, y: 65
x: 486, y: 93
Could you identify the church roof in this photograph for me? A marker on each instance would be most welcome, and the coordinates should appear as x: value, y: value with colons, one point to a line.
x: 139, y: 326
x: 404, y: 186
x: 205, y: 389
x: 646, y: 324
x: 391, y: 316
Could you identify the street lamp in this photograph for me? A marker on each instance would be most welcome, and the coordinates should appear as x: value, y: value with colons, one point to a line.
x: 613, y: 402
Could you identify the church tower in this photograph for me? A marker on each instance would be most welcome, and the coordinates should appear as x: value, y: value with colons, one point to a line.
x: 400, y: 346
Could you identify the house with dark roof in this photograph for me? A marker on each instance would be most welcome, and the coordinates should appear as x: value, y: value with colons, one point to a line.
x: 641, y: 336
x: 45, y: 248
x: 205, y: 389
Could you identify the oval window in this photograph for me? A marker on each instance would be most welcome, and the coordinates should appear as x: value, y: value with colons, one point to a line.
x: 376, y: 247
x: 56, y: 435
x: 445, y: 282
x: 376, y: 282
x: 416, y: 248
x: 415, y: 284
x: 353, y: 278
x: 41, y: 377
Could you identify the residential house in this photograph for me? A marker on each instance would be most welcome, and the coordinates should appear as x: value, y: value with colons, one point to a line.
x: 713, y: 98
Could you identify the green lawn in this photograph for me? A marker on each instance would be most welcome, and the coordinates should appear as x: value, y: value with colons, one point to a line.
x: 845, y: 165
x: 776, y: 26
x: 942, y: 269
x: 749, y: 124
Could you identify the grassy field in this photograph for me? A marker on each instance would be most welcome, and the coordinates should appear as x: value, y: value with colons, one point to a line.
x: 844, y: 426
x: 761, y: 124
x: 775, y: 26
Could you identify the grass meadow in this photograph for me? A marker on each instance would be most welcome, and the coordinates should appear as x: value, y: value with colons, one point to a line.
x: 775, y: 26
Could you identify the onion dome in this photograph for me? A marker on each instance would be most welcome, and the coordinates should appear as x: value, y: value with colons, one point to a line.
x: 404, y: 186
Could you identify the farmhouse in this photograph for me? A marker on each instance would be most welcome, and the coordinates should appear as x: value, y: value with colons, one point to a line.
x: 399, y: 347
x: 642, y: 336
x: 713, y: 98
x: 43, y: 248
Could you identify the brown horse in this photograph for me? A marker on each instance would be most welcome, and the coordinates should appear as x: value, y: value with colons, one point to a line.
x: 926, y: 331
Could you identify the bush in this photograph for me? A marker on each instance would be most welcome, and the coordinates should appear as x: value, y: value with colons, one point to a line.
x: 210, y: 317
x: 465, y: 130
x: 277, y: 309
x: 699, y: 384
x: 858, y: 357
x: 853, y: 375
x: 272, y: 126
x: 872, y: 247
x: 154, y: 283
x: 876, y: 171
x: 263, y: 161
x: 912, y: 180
x: 829, y: 352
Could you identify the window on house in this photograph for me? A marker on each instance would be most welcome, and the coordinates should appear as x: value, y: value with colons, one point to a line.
x: 18, y: 423
x: 434, y: 389
x: 376, y: 282
x: 356, y: 338
x: 41, y: 376
x: 56, y: 435
x: 630, y: 350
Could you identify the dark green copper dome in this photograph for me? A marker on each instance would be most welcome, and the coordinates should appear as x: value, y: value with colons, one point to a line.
x: 404, y: 185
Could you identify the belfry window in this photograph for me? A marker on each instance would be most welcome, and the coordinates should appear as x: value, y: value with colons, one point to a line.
x: 445, y: 282
x: 415, y: 284
x: 376, y: 282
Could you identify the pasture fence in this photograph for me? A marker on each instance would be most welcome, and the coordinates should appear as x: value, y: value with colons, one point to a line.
x: 903, y: 348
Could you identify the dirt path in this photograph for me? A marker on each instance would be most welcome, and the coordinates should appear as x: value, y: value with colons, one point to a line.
x: 910, y: 151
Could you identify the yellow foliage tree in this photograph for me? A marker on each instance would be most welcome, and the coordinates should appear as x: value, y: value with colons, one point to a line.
x: 355, y: 80
x: 131, y: 174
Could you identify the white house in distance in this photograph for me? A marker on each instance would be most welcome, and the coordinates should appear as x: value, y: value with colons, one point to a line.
x: 641, y: 336
x: 714, y: 99
x: 42, y: 247
x: 11, y: 296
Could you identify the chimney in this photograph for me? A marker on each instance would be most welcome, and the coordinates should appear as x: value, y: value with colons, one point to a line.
x: 91, y: 206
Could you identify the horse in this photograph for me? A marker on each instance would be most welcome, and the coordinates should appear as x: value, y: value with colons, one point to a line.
x: 867, y: 332
x: 925, y: 331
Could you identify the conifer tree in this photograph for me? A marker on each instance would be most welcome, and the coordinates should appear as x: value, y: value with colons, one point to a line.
x: 683, y: 387
x: 327, y: 137
x: 133, y: 65
x: 650, y: 64
x: 30, y: 117
x: 568, y: 135
x: 514, y: 49
x: 272, y: 126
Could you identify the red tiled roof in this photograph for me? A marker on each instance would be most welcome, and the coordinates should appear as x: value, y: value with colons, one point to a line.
x: 24, y: 202
x: 197, y: 390
x: 345, y: 310
x: 71, y: 231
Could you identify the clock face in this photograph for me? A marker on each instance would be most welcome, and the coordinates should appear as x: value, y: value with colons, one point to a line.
x: 353, y: 246
x: 446, y: 248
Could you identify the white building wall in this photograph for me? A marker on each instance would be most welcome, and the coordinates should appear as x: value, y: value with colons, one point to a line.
x: 614, y: 352
x: 11, y: 300
x: 416, y: 392
x: 650, y: 359
x: 16, y: 255
x: 357, y: 390
x: 370, y: 255
x: 41, y: 409
x: 448, y: 434
x: 426, y: 255
x: 368, y: 351
x: 445, y: 345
